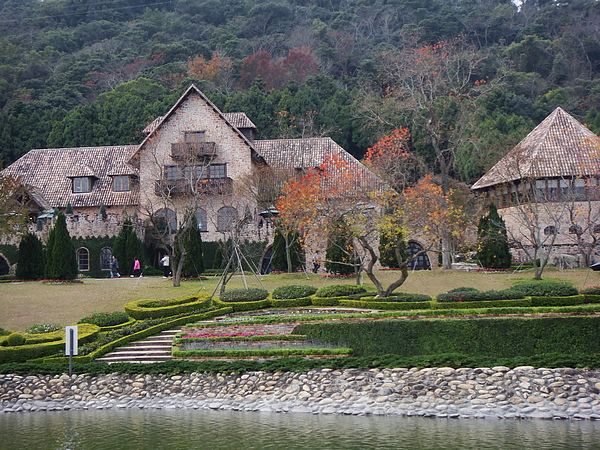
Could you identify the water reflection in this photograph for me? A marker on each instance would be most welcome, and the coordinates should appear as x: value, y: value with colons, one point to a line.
x: 191, y: 429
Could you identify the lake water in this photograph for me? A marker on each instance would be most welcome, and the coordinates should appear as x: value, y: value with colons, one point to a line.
x: 214, y: 430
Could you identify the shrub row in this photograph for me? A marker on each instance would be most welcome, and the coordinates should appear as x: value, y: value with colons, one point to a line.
x: 497, y: 337
x: 293, y: 291
x: 543, y: 288
x: 50, y: 346
x: 152, y: 309
x: 106, y: 319
x: 260, y: 352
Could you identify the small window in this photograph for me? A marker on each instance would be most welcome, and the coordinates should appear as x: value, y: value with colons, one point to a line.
x: 575, y: 229
x: 549, y: 231
x: 218, y: 171
x: 194, y: 136
x: 105, y: 255
x: 82, y: 184
x: 201, y: 218
x: 121, y: 183
x: 552, y: 189
x: 83, y: 259
x: 226, y: 218
x: 579, y: 188
x: 172, y: 173
x: 596, y: 229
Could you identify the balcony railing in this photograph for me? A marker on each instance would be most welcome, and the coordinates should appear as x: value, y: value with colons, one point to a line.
x: 185, y: 150
x: 213, y: 186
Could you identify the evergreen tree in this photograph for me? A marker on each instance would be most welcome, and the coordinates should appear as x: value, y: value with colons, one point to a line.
x: 340, y: 251
x: 61, y: 263
x: 193, y: 265
x: 492, y: 245
x: 279, y: 262
x: 103, y: 211
x: 30, y: 264
x: 127, y: 247
x: 69, y: 209
x: 222, y: 254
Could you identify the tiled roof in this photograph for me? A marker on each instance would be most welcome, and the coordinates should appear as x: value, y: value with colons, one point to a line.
x: 309, y: 153
x: 559, y: 146
x: 239, y: 120
x: 48, y: 172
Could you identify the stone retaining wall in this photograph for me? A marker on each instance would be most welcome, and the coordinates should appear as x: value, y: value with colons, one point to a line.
x: 497, y: 392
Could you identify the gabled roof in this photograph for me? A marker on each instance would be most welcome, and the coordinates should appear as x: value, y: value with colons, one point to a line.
x: 153, y: 128
x: 312, y: 152
x: 49, y: 172
x: 559, y: 146
x: 239, y: 120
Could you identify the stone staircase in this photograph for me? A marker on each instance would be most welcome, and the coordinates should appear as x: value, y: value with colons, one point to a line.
x: 152, y: 349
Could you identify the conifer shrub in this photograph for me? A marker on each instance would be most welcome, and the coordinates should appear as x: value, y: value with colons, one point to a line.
x: 61, y: 263
x: 244, y: 295
x: 293, y: 291
x: 492, y: 241
x: 339, y: 290
x: 15, y: 339
x: 30, y: 265
x: 544, y: 288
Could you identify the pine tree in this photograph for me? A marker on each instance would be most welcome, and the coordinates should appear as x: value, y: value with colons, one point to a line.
x: 69, y: 209
x: 193, y: 265
x: 340, y: 251
x: 30, y: 264
x: 492, y: 241
x: 127, y: 247
x: 61, y: 262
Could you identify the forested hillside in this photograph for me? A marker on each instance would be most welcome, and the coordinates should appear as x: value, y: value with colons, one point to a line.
x: 468, y: 78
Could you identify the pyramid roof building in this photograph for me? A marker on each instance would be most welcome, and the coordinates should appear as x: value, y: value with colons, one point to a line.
x: 559, y: 147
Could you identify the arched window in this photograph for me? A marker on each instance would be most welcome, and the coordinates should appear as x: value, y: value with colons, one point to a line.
x: 169, y: 219
x: 105, y: 255
x: 421, y: 262
x: 83, y: 259
x: 226, y: 218
x: 201, y: 218
x: 550, y: 230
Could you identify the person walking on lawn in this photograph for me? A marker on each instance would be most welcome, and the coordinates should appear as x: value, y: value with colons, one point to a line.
x: 165, y: 265
x: 114, y: 268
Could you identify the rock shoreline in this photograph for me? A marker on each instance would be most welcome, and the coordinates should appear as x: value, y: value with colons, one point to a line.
x: 497, y: 392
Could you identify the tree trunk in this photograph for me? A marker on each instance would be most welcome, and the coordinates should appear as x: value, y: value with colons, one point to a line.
x: 446, y: 250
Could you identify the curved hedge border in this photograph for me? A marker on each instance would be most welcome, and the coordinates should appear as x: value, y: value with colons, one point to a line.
x: 21, y: 353
x: 290, y: 303
x: 388, y: 306
x: 116, y: 327
x: 144, y: 334
x: 180, y: 305
x: 242, y: 306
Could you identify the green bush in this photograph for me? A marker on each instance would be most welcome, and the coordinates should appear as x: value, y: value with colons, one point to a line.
x: 332, y: 301
x: 339, y: 290
x: 386, y: 305
x: 43, y: 328
x: 474, y: 295
x: 244, y: 295
x: 544, y: 288
x: 293, y: 291
x: 522, y: 302
x: 402, y: 297
x: 107, y: 319
x: 290, y: 302
x: 594, y: 290
x: 243, y: 306
x: 15, y: 339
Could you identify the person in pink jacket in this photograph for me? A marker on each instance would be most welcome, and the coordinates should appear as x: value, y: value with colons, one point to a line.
x: 137, y: 268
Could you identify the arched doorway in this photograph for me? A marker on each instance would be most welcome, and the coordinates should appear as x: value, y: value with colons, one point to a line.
x: 4, y: 266
x: 421, y: 262
x: 265, y: 265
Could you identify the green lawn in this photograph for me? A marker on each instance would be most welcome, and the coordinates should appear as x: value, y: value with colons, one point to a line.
x: 25, y: 304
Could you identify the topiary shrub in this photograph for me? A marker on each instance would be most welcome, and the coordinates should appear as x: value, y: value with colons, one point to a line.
x: 244, y: 295
x: 339, y: 290
x: 594, y: 290
x: 107, y: 319
x: 43, y: 328
x: 15, y: 339
x: 474, y: 295
x: 544, y: 288
x: 293, y: 291
x: 401, y: 297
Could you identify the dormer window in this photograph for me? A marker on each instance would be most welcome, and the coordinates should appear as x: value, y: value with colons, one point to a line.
x: 121, y: 183
x: 82, y: 184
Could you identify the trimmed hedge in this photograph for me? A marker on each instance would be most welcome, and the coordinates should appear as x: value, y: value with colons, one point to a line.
x: 290, y: 303
x: 152, y: 309
x: 497, y: 337
x: 387, y: 305
x: 260, y: 353
x: 242, y: 306
x: 293, y: 291
x: 244, y: 295
x: 326, y: 301
x: 339, y: 290
x: 21, y: 353
x: 482, y: 304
